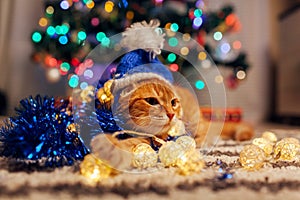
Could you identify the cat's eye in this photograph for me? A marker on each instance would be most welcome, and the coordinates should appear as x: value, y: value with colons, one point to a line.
x: 152, y: 101
x: 174, y: 102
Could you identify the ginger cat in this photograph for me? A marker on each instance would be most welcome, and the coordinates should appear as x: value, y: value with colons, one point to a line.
x: 155, y: 107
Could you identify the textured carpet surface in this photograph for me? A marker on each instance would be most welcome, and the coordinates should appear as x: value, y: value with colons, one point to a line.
x: 280, y: 180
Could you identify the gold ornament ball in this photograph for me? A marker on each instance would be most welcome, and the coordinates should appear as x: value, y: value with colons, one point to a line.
x: 87, y: 95
x: 144, y: 156
x: 104, y: 94
x: 169, y: 153
x: 269, y: 136
x: 94, y: 169
x: 252, y: 157
x: 286, y: 149
x: 186, y: 142
x: 264, y: 144
x: 291, y: 140
x: 177, y: 130
x: 190, y: 162
x: 72, y: 128
x: 107, y: 86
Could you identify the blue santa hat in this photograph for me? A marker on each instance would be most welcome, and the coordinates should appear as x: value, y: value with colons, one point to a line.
x: 141, y: 61
x: 144, y: 41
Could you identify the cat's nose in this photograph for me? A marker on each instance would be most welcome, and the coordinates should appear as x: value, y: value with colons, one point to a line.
x: 170, y: 115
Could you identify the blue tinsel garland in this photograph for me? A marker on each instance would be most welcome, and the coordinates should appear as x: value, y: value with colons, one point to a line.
x: 40, y: 131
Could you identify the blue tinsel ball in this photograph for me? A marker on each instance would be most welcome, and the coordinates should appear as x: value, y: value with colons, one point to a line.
x: 40, y: 131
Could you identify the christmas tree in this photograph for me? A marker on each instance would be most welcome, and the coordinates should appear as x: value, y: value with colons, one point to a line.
x: 70, y: 29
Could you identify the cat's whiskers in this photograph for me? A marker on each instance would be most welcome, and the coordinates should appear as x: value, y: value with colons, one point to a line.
x: 152, y: 107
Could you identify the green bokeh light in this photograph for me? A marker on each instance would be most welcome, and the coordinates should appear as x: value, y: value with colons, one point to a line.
x: 100, y: 36
x: 50, y: 30
x: 218, y: 35
x: 174, y: 27
x: 173, y: 42
x: 198, y: 13
x: 65, y: 66
x: 81, y: 35
x: 105, y: 42
x: 64, y: 29
x: 74, y: 81
x: 58, y: 30
x: 36, y: 37
x: 171, y: 57
x: 199, y: 85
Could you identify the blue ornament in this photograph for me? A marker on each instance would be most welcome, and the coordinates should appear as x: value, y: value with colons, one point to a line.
x: 41, y: 131
x: 224, y: 171
x: 225, y: 176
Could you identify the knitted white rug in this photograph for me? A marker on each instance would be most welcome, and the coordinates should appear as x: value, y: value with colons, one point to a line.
x: 277, y: 181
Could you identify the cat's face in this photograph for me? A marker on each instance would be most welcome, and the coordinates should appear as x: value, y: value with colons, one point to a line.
x: 153, y: 107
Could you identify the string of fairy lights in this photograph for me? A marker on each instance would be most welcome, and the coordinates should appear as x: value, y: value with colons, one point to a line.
x: 70, y: 29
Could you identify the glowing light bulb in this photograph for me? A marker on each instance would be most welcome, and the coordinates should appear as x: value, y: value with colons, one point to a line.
x: 64, y: 29
x: 53, y: 75
x: 225, y: 47
x: 174, y: 67
x: 58, y: 29
x: 83, y: 85
x: 64, y: 5
x: 174, y: 27
x: 202, y: 56
x: 230, y: 20
x: 95, y: 21
x: 36, y: 37
x: 43, y: 22
x: 100, y: 36
x: 197, y: 22
x: 237, y: 44
x: 241, y: 74
x: 199, y: 4
x: 173, y: 42
x: 74, y: 81
x: 186, y: 37
x: 63, y: 40
x: 171, y: 57
x: 218, y: 35
x: 51, y: 30
x: 198, y: 13
x: 81, y: 35
x: 50, y: 61
x: 50, y: 10
x: 75, y: 62
x: 109, y: 6
x: 90, y: 4
x: 219, y: 79
x: 184, y: 51
x: 65, y: 66
x: 200, y: 85
x: 105, y: 42
x: 88, y: 74
x: 168, y: 25
x: 130, y: 15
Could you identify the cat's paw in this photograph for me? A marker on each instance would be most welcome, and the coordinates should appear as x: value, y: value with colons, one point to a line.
x: 104, y: 147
